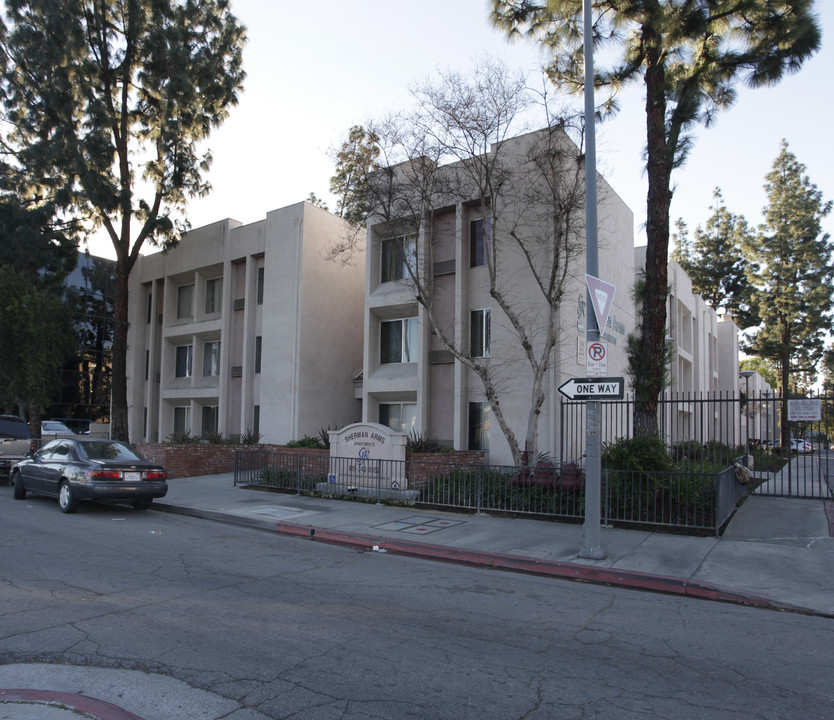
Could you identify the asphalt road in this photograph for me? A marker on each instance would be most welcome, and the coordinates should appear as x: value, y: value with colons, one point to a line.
x: 291, y: 628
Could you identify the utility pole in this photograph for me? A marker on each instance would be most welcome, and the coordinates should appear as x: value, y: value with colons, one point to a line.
x: 591, y: 534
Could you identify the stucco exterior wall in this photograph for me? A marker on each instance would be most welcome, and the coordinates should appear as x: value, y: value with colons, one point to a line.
x: 443, y: 387
x: 307, y: 326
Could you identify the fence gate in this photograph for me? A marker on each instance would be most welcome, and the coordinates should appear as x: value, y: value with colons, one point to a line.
x: 750, y: 427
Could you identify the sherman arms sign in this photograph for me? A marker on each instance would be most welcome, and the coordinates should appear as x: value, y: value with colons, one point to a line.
x: 368, y: 455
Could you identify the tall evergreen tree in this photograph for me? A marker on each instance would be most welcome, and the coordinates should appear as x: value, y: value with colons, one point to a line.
x: 715, y: 262
x: 793, y: 291
x: 108, y: 103
x: 35, y: 338
x: 355, y: 160
x: 689, y: 56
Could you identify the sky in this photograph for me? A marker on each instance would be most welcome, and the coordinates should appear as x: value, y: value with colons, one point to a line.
x: 313, y: 71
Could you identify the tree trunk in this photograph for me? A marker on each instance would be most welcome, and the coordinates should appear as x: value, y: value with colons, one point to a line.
x: 118, y: 401
x: 649, y: 384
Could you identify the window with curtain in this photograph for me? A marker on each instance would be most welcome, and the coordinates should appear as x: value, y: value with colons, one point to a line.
x: 211, y: 358
x: 183, y: 360
x: 210, y: 417
x: 214, y: 295
x: 479, y: 333
x: 398, y: 254
x: 401, y: 417
x: 480, y: 237
x: 185, y: 301
x: 479, y: 417
x: 398, y: 341
x: 182, y: 419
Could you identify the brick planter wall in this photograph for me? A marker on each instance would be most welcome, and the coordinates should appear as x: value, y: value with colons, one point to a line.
x: 200, y: 459
x: 424, y: 466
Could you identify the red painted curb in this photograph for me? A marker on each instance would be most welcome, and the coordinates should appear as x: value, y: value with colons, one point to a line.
x: 518, y: 563
x: 95, y: 708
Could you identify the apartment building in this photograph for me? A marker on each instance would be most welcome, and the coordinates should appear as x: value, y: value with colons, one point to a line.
x: 246, y: 328
x: 469, y: 249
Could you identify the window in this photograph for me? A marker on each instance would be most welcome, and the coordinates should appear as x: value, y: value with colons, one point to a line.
x: 150, y: 306
x: 214, y: 295
x: 258, y: 349
x: 398, y: 341
x: 210, y: 416
x: 62, y: 453
x: 260, y: 286
x: 479, y: 426
x: 479, y: 333
x: 256, y: 420
x: 185, y: 301
x: 401, y: 417
x: 211, y: 358
x: 147, y: 364
x: 479, y: 242
x: 398, y: 254
x: 184, y: 356
x: 182, y: 420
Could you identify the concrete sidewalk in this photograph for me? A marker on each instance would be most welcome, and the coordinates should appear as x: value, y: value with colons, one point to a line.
x: 776, y: 552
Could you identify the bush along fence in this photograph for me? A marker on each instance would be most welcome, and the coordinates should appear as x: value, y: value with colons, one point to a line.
x: 693, y: 502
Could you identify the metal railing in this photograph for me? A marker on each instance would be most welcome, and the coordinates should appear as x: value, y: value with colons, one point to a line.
x: 688, y: 501
x: 716, y: 427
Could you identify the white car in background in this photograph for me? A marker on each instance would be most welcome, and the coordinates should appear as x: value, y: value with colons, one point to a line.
x: 801, y: 446
x: 51, y: 429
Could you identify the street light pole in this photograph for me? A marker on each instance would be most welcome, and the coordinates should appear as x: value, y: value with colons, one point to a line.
x: 591, y: 532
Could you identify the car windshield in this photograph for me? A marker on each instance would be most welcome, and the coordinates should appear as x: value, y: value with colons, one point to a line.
x: 106, y: 450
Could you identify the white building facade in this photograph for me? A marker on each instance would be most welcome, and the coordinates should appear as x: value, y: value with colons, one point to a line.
x: 246, y: 328
x: 414, y: 383
x: 251, y: 328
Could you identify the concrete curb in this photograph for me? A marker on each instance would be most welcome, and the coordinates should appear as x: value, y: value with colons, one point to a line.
x: 78, y: 703
x: 547, y: 568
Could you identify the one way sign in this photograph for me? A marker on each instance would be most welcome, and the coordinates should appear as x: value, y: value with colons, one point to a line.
x: 611, y: 388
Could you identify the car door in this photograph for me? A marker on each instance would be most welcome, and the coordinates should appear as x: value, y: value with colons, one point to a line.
x: 52, y: 469
x: 33, y: 471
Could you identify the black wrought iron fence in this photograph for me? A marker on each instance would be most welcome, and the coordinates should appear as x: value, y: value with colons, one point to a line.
x: 688, y: 501
x: 717, y: 428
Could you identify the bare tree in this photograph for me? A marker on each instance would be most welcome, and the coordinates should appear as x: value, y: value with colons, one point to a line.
x: 463, y: 144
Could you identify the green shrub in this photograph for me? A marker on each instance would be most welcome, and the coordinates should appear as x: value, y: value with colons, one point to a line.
x: 324, y: 436
x: 721, y: 453
x: 642, y: 452
x: 417, y: 443
x: 308, y: 441
x: 687, y: 450
x: 183, y: 438
x: 250, y: 437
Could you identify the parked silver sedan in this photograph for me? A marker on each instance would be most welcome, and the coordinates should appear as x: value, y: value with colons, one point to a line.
x: 79, y: 469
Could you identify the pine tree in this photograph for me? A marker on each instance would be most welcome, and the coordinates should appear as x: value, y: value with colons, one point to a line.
x: 792, y: 272
x: 108, y: 104
x: 714, y: 261
x: 355, y: 159
x: 689, y: 56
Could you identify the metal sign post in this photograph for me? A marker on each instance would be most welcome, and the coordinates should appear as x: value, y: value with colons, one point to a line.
x: 591, y: 533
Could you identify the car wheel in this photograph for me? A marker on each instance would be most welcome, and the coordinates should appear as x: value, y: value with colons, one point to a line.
x: 19, y: 489
x: 66, y: 501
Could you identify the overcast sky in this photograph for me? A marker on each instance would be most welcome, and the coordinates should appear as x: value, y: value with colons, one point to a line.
x: 315, y: 70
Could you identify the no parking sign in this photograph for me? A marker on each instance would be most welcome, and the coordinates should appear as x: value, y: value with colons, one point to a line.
x: 596, y: 358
